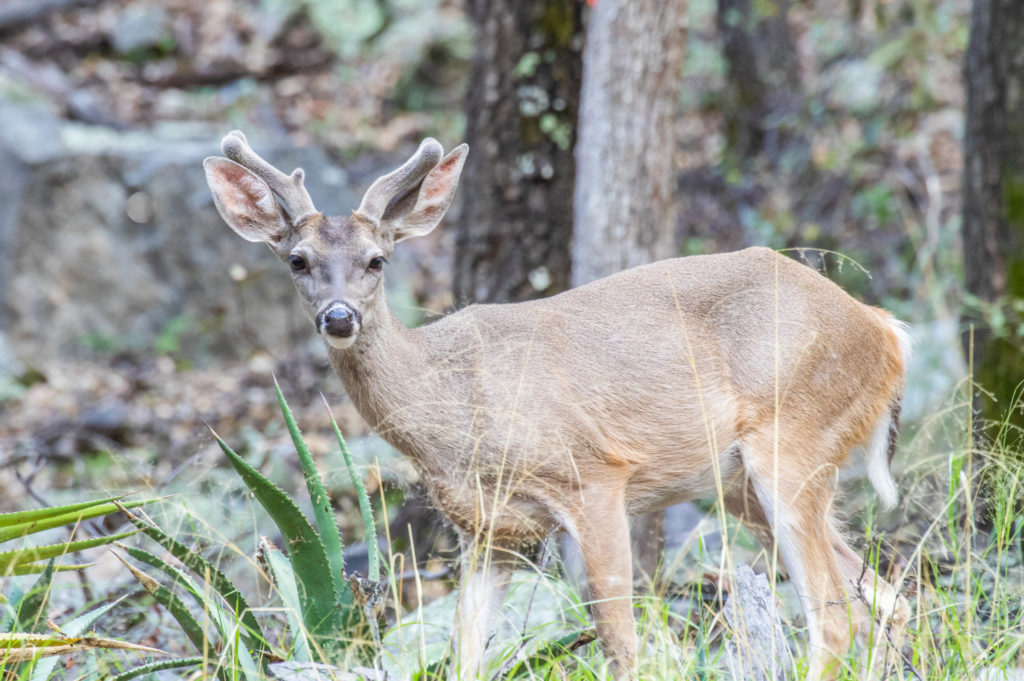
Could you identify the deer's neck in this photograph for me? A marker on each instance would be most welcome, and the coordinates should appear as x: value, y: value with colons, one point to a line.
x: 385, y: 374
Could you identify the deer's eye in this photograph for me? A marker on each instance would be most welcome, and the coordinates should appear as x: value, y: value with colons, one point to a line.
x: 297, y: 263
x: 377, y: 264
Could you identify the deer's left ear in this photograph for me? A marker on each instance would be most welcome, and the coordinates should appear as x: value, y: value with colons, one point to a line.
x: 245, y: 201
x: 420, y: 211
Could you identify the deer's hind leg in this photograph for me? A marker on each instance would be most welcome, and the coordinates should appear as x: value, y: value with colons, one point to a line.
x: 794, y: 487
x: 883, y: 613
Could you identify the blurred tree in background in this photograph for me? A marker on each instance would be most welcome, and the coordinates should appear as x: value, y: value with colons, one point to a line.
x: 625, y: 186
x: 763, y: 97
x: 513, y: 236
x: 993, y: 205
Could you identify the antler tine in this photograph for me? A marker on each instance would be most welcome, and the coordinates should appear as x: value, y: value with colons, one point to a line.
x: 399, y: 182
x: 289, y: 188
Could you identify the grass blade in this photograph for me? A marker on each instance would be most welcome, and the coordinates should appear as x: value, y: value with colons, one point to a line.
x: 365, y: 510
x: 324, y: 514
x: 255, y: 638
x: 316, y: 582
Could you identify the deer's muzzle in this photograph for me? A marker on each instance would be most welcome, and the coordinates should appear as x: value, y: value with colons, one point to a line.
x: 338, y: 320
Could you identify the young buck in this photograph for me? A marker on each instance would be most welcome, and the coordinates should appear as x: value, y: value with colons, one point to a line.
x: 745, y: 376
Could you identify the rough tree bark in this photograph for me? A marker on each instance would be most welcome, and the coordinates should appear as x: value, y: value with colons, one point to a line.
x: 513, y: 236
x: 763, y: 92
x: 993, y: 218
x: 625, y: 184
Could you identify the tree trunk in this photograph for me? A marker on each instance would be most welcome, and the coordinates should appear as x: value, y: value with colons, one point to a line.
x: 625, y: 186
x: 763, y: 94
x: 993, y: 218
x: 513, y: 237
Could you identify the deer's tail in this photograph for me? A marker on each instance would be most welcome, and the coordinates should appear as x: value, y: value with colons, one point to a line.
x: 883, y: 440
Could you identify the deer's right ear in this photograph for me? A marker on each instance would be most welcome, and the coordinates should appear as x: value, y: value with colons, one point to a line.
x: 245, y: 201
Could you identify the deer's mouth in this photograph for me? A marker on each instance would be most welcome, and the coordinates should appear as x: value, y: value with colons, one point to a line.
x: 339, y: 323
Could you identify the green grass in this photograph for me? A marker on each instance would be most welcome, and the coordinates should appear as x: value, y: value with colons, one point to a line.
x: 955, y: 545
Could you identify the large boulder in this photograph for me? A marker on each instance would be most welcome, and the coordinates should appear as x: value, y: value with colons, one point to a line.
x: 110, y: 241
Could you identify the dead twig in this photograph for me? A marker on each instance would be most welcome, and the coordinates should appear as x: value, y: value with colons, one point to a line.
x: 227, y: 74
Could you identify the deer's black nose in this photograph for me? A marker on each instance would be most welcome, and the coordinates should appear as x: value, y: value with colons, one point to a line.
x: 338, y: 319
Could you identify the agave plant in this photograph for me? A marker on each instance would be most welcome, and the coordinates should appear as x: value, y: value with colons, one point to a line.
x: 331, y: 616
x: 26, y: 636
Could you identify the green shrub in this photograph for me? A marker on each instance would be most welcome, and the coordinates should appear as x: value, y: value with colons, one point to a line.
x: 331, y: 616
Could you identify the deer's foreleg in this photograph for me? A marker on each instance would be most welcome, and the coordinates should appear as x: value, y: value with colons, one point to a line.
x: 482, y: 588
x: 602, y: 530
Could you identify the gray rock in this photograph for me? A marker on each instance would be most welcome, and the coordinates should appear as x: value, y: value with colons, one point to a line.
x: 757, y: 649
x: 315, y: 671
x: 111, y: 241
x: 30, y: 132
x: 996, y: 674
x: 139, y: 26
x: 856, y: 85
x: 10, y: 367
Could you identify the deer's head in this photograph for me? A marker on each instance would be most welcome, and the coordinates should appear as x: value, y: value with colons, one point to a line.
x: 336, y: 262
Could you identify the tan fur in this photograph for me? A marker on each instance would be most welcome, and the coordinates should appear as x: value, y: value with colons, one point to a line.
x: 744, y: 374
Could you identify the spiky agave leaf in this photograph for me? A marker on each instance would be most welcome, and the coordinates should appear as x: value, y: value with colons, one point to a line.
x: 326, y: 606
x: 373, y: 570
x: 167, y: 598
x: 36, y: 568
x: 10, y: 561
x: 283, y: 576
x: 153, y: 667
x: 255, y: 639
x: 73, y: 628
x: 31, y: 608
x: 227, y: 625
x: 324, y: 514
x: 18, y: 517
x: 22, y: 523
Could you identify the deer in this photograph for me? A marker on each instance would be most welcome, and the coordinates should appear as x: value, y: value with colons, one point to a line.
x: 746, y: 376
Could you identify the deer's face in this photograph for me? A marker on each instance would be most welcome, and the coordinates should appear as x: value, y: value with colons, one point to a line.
x: 336, y: 263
